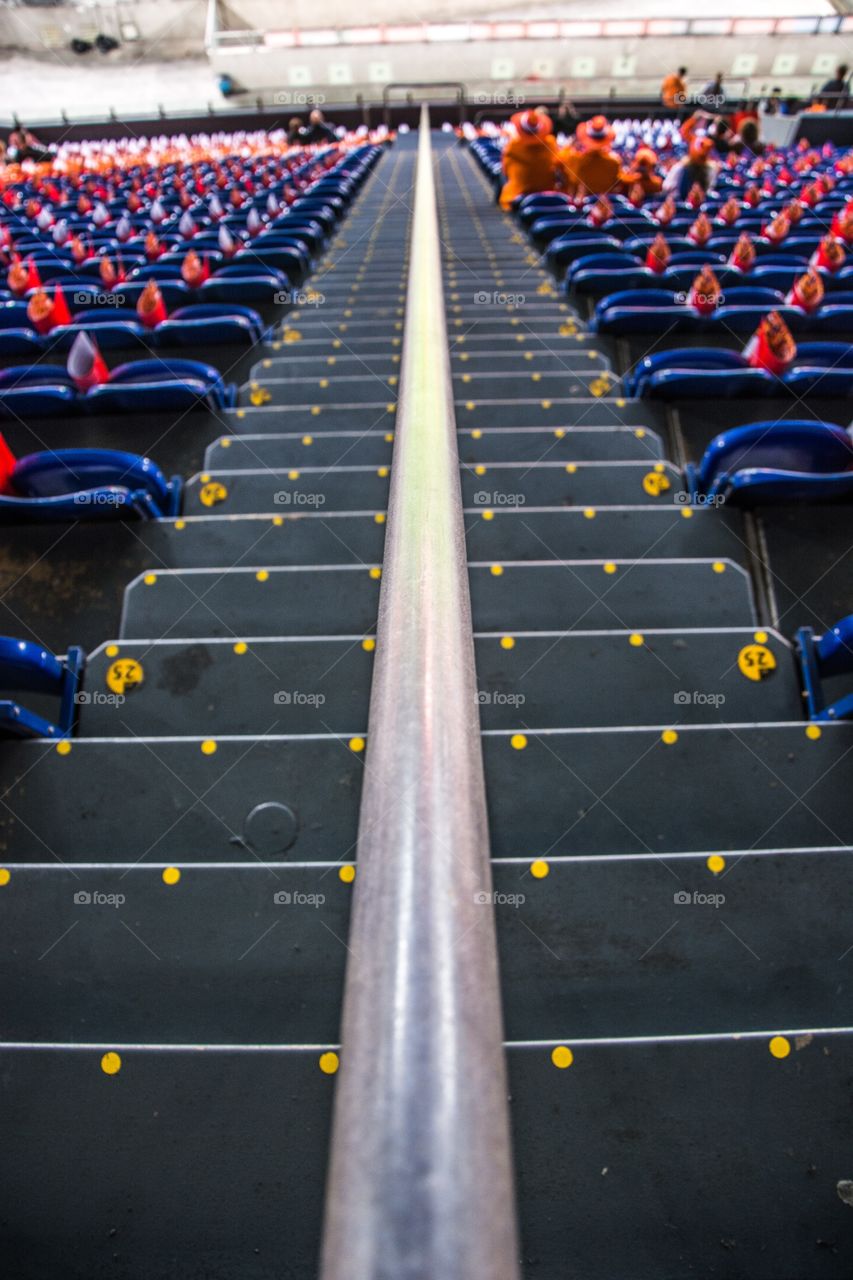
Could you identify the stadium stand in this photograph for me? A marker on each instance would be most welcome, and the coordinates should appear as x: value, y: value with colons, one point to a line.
x: 438, y: 544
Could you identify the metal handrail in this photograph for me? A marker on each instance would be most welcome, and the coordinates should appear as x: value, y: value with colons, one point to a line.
x: 420, y: 1182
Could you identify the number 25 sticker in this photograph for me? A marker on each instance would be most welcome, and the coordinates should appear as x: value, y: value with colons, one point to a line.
x: 124, y: 674
x: 756, y: 661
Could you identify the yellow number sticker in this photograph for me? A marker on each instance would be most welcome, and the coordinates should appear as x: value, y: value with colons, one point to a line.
x: 655, y: 483
x: 259, y: 396
x: 213, y: 493
x: 600, y: 386
x: 124, y: 674
x: 292, y: 335
x: 756, y: 661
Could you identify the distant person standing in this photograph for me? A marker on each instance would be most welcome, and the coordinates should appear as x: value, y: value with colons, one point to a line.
x: 837, y: 90
x: 529, y: 158
x: 673, y: 90
x: 714, y: 95
x: 295, y: 131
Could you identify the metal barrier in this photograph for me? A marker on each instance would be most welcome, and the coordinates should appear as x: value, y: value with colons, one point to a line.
x: 420, y: 1181
x: 461, y: 94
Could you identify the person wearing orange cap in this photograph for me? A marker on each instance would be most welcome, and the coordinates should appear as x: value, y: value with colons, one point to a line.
x: 529, y: 158
x: 591, y: 166
x: 642, y: 173
x: 696, y: 167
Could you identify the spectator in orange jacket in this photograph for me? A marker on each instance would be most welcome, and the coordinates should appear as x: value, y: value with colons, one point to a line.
x: 529, y: 158
x: 642, y: 173
x: 673, y: 91
x: 593, y: 168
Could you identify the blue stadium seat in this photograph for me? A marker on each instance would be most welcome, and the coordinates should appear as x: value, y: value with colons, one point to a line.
x: 776, y: 461
x: 26, y: 667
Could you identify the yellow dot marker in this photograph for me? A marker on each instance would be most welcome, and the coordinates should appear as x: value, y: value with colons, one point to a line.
x: 171, y: 875
x: 278, y: 521
x: 262, y: 575
x: 716, y: 863
x: 669, y: 736
x: 150, y: 579
x: 562, y: 1056
x: 479, y: 471
x: 610, y: 567
x: 241, y: 647
x: 208, y: 747
x: 63, y: 748
x: 375, y: 573
x: 496, y: 570
x: 761, y: 637
x: 539, y: 869
x: 640, y: 433
x: 379, y: 518
x: 112, y: 650
x: 180, y: 524
x: 389, y: 437
x: 476, y: 435
x: 589, y: 513
x: 111, y: 1064
x: 719, y: 566
x: 368, y: 644
x: 347, y: 873
x: 382, y: 472
x: 571, y: 468
x: 636, y: 639
x: 780, y: 1047
x: 686, y: 513
x: 813, y: 732
x: 307, y: 439
x: 356, y: 744
x: 329, y: 1063
x: 488, y: 515
x: 518, y: 741
x: 507, y: 642
x: 5, y: 875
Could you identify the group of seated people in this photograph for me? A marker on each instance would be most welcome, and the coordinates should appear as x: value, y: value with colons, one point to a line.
x: 587, y: 163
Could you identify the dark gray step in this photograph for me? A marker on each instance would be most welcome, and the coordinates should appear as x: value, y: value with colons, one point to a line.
x: 496, y: 485
x: 590, y: 792
x: 351, y: 448
x: 673, y: 1141
x: 190, y: 1116
x: 333, y: 448
x: 299, y: 344
x: 313, y: 419
x: 554, y: 679
x: 282, y: 368
x: 368, y: 389
x: 253, y: 953
x: 521, y: 596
